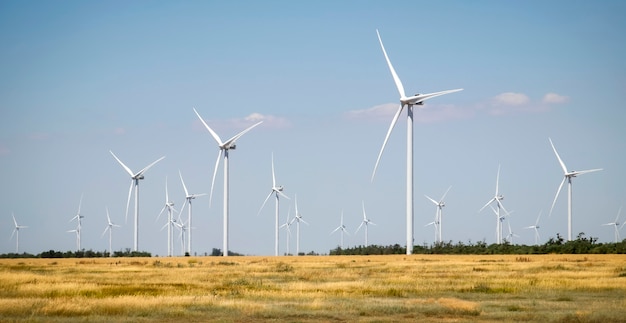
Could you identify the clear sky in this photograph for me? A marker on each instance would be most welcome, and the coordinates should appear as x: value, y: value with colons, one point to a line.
x: 80, y: 78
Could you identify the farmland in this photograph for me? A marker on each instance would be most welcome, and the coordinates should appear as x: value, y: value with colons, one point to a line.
x: 557, y: 288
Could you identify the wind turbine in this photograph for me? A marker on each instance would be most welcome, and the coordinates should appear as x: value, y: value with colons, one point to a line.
x: 134, y: 180
x: 567, y: 176
x: 169, y: 206
x: 342, y: 228
x: 278, y: 190
x: 409, y: 102
x: 365, y: 222
x: 298, y: 218
x: 188, y: 198
x: 536, y: 228
x: 615, y: 225
x: 438, y: 214
x: 109, y: 227
x: 499, y: 217
x: 16, y: 232
x: 78, y: 218
x: 224, y: 147
x: 287, y: 226
x: 511, y: 234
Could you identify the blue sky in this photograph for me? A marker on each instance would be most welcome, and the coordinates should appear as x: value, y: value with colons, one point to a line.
x: 82, y: 78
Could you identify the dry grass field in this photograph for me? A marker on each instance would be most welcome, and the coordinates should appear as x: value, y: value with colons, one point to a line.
x: 534, y: 288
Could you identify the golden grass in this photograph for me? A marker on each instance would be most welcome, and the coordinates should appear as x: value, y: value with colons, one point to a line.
x: 546, y: 288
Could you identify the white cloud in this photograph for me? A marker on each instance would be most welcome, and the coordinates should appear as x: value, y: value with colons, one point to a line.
x: 554, y: 98
x: 379, y: 112
x: 510, y: 99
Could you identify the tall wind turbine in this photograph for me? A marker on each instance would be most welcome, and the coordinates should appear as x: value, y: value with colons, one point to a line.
x: 109, y: 227
x: 536, y: 228
x: 438, y: 214
x: 134, y: 181
x: 169, y: 206
x: 224, y: 147
x: 568, y: 175
x: 78, y: 218
x: 342, y: 228
x: 511, y: 234
x: 497, y: 198
x: 16, y: 232
x: 188, y: 198
x: 409, y: 102
x: 298, y: 218
x: 365, y: 222
x: 287, y: 226
x: 615, y: 225
x: 277, y: 190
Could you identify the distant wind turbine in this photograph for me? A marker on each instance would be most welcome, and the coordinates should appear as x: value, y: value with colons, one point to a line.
x: 79, y: 225
x: 568, y: 175
x: 409, y: 102
x: 341, y: 228
x: 16, y: 232
x: 535, y: 227
x: 287, y: 226
x: 169, y: 206
x: 511, y: 234
x: 277, y: 190
x: 438, y: 214
x: 298, y: 218
x: 365, y: 222
x: 499, y: 217
x: 188, y: 198
x: 224, y: 147
x: 109, y: 228
x: 616, y: 225
x: 134, y: 181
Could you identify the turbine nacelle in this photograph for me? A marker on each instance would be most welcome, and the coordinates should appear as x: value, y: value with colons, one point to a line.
x: 140, y: 176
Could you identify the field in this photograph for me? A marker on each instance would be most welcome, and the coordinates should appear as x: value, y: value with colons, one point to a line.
x: 535, y: 288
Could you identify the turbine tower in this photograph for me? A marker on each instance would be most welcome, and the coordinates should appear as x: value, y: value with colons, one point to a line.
x: 567, y: 176
x: 277, y: 190
x: 78, y: 229
x: 169, y: 206
x: 342, y: 228
x: 615, y: 225
x: 438, y: 215
x: 16, y: 232
x: 188, y: 198
x: 409, y: 102
x: 498, y: 201
x: 109, y: 228
x: 298, y: 218
x: 365, y: 222
x: 536, y: 228
x: 134, y: 181
x: 224, y: 147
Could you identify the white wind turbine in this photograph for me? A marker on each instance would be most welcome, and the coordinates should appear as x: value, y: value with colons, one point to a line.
x: 169, y: 206
x: 287, y: 226
x: 224, y: 147
x: 499, y: 217
x: 438, y: 214
x: 277, y: 190
x: 409, y: 102
x: 109, y: 228
x: 78, y: 229
x: 615, y: 225
x: 365, y: 222
x: 298, y: 218
x: 342, y: 228
x: 536, y: 228
x: 511, y: 234
x: 134, y: 181
x: 16, y: 232
x: 568, y: 175
x: 188, y: 198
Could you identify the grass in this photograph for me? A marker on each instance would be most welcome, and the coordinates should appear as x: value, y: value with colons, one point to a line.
x: 546, y: 288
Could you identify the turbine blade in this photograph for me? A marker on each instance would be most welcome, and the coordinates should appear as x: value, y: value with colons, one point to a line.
x: 148, y: 167
x: 130, y: 172
x: 339, y: 227
x: 215, y: 136
x: 357, y: 229
x: 364, y: 216
x: 558, y: 157
x: 393, y: 123
x: 302, y: 220
x: 538, y: 217
x: 428, y: 197
x: 105, y: 231
x: 273, y: 174
x: 108, y: 217
x: 130, y: 191
x: 182, y: 181
x: 183, y: 208
x: 237, y: 136
x: 217, y: 164
x: 482, y: 208
x: 267, y: 198
x: 159, y: 216
x: 587, y: 171
x: 80, y: 203
x: 283, y: 195
x: 396, y: 79
x: 497, y: 180
x: 557, y: 196
x: 446, y: 193
x: 15, y: 221
x: 423, y: 97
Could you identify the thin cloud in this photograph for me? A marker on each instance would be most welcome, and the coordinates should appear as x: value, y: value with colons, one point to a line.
x: 428, y: 113
x: 553, y: 98
x: 269, y: 121
x: 511, y: 102
x: 510, y: 99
